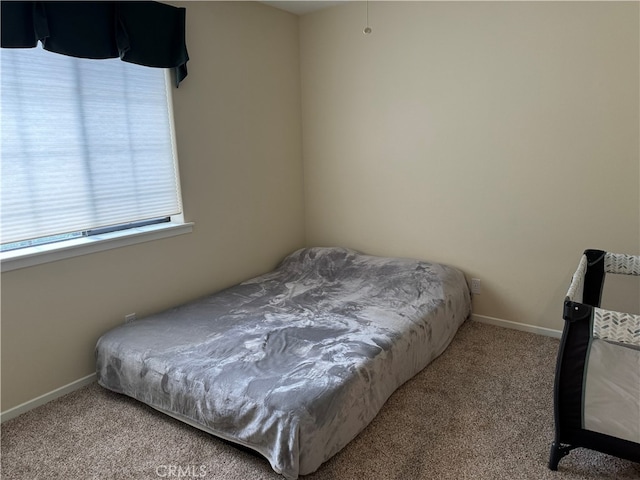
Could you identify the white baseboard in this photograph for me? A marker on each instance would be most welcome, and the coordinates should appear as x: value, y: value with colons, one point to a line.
x: 47, y: 397
x: 548, y: 332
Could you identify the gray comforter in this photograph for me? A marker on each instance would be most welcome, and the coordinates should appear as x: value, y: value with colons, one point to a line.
x: 296, y: 362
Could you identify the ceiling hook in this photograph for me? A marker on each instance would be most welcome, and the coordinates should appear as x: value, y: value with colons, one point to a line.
x: 367, y: 29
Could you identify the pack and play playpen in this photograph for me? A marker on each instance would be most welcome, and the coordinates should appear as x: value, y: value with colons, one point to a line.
x: 597, y: 384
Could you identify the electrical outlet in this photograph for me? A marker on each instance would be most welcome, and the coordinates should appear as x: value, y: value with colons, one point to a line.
x: 130, y: 317
x: 476, y: 289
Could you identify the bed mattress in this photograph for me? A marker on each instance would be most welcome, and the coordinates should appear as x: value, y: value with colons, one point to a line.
x: 294, y: 363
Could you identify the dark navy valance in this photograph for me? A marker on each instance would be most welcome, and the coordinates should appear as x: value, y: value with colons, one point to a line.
x: 146, y: 33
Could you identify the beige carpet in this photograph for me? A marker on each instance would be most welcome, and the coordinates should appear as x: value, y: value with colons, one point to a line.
x: 483, y: 410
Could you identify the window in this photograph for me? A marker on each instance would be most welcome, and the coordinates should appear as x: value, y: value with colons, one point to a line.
x: 87, y: 145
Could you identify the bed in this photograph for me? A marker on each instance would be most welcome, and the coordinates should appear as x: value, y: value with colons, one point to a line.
x: 597, y: 383
x: 292, y: 364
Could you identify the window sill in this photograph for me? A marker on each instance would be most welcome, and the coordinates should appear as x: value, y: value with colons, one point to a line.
x: 30, y: 256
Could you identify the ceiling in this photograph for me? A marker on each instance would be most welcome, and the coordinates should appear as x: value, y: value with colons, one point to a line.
x: 300, y: 7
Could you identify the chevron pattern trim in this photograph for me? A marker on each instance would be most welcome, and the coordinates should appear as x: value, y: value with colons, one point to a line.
x: 622, y: 264
x: 616, y: 326
x: 576, y: 289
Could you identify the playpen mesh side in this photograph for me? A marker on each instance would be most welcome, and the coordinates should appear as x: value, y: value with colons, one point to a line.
x: 611, y: 402
x: 618, y: 326
x: 612, y: 375
x: 607, y: 324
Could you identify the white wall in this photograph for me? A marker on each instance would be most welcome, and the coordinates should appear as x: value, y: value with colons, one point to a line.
x: 500, y: 137
x: 238, y: 126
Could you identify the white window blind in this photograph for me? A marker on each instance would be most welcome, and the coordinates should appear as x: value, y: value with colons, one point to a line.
x: 85, y: 144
